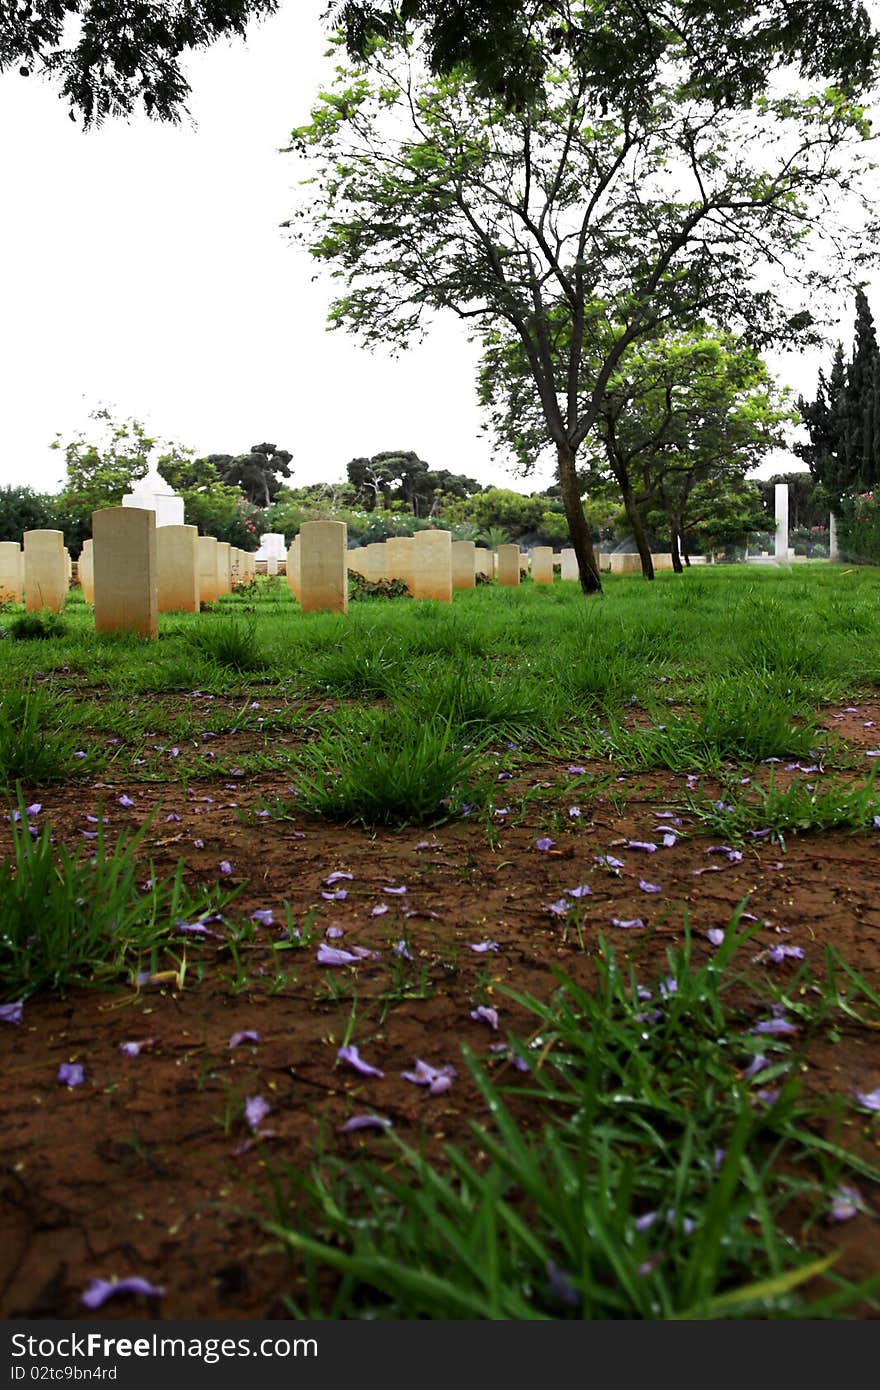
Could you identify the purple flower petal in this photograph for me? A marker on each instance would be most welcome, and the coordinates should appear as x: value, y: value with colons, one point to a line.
x: 246, y: 1035
x: 401, y: 950
x: 627, y: 922
x: 715, y: 935
x: 199, y: 844
x: 758, y: 1063
x: 134, y: 1049
x: 364, y: 1122
x: 482, y: 1014
x: 379, y: 911
x: 337, y: 876
x: 846, y: 1203
x: 574, y: 812
x: 560, y: 1287
x: 609, y: 861
x: 868, y: 1100
x: 255, y: 1111
x: 196, y: 929
x: 100, y: 1290
x: 263, y: 916
x: 582, y: 891
x: 482, y: 946
x: 544, y: 844
x: 352, y: 1056
x: 11, y: 1013
x: 560, y: 907
x: 776, y: 1028
x: 575, y: 770
x: 225, y: 866
x: 396, y: 891
x: 669, y: 839
x: 647, y: 887
x: 173, y: 816
x: 339, y: 895
x: 669, y: 986
x: 645, y: 845
x: 125, y: 800
x: 437, y: 1079
x: 334, y: 933
x: 331, y: 955
x: 70, y: 1074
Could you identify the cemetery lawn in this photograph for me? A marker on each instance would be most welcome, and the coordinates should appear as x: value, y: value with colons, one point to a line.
x: 592, y: 884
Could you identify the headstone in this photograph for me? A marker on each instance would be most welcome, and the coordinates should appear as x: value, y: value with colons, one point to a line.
x: 124, y: 559
x: 86, y: 572
x: 626, y: 562
x: 68, y: 566
x: 432, y: 565
x: 833, y: 550
x: 45, y: 571
x: 11, y: 572
x: 323, y: 573
x: 293, y: 568
x: 663, y: 561
x: 208, y: 569
x: 224, y: 567
x: 463, y: 563
x: 508, y: 565
x: 484, y: 561
x: 177, y: 569
x: 399, y: 559
x: 569, y: 564
x: 542, y: 564
x: 271, y: 548
x: 781, y: 499
x: 152, y: 494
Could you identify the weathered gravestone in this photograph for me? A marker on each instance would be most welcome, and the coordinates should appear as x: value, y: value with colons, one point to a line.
x: 85, y: 571
x: 432, y: 565
x: 11, y: 572
x: 542, y: 564
x: 323, y: 572
x: 177, y: 568
x: 45, y: 571
x: 781, y: 500
x: 508, y: 565
x: 463, y: 565
x: 293, y: 568
x: 126, y: 580
x: 399, y: 559
x: 569, y: 565
x: 208, y: 589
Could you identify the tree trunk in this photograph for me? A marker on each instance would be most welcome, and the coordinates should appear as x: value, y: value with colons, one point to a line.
x: 638, y: 530
x: 579, y: 531
x: 676, y: 553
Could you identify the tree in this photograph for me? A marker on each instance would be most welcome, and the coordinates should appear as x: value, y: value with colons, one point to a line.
x: 217, y: 508
x: 101, y: 470
x: 681, y: 413
x: 843, y: 422
x: 257, y: 473
x: 125, y: 53
x: 22, y: 509
x: 400, y: 476
x: 578, y: 233
x: 121, y: 53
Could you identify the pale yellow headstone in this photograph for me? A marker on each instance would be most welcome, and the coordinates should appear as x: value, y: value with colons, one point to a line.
x: 11, y: 572
x: 508, y: 565
x: 224, y: 578
x: 625, y: 562
x: 432, y: 565
x: 375, y: 561
x: 323, y: 571
x: 570, y: 565
x: 463, y: 564
x: 399, y: 559
x: 208, y: 569
x: 124, y: 560
x: 293, y: 567
x: 86, y: 572
x: 542, y: 564
x: 177, y: 567
x: 484, y: 561
x: 45, y: 571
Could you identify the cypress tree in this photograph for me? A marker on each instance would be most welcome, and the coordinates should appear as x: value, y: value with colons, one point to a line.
x: 843, y: 422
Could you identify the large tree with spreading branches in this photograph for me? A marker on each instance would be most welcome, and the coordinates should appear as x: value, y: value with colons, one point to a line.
x: 578, y: 226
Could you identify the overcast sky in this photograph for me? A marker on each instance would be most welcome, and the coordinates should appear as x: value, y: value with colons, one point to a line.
x: 144, y: 268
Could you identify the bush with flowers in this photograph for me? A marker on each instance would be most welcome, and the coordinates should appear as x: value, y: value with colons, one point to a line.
x: 858, y: 528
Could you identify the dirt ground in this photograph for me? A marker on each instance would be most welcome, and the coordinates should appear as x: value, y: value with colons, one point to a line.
x: 149, y: 1168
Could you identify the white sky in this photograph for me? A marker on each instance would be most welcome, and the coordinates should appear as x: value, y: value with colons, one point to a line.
x: 145, y: 269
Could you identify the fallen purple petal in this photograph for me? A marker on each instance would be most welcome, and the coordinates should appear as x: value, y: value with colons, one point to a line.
x: 70, y: 1074
x: 582, y: 891
x: 263, y: 916
x: 868, y: 1100
x: 379, y: 911
x: 339, y: 895
x: 574, y: 812
x: 776, y: 1028
x: 331, y: 955
x: 437, y: 1079
x: 627, y: 922
x: 647, y: 887
x: 125, y: 800
x: 758, y: 1063
x: 482, y: 1014
x: 575, y: 770
x: 255, y: 1111
x: 11, y: 1013
x: 134, y: 1049
x: 609, y: 861
x: 715, y: 935
x: 246, y: 1035
x: 364, y: 1122
x: 352, y: 1056
x: 560, y: 908
x: 560, y: 1287
x: 645, y: 845
x: 544, y: 844
x: 401, y: 950
x: 846, y: 1202
x: 397, y: 891
x: 482, y: 946
x: 225, y: 866
x: 334, y: 933
x: 100, y: 1290
x: 337, y: 876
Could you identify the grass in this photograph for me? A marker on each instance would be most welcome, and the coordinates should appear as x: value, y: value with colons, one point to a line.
x: 84, y: 919
x: 656, y: 1182
x: 37, y: 743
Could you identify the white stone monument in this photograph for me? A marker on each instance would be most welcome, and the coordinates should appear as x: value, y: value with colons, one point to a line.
x: 271, y: 550
x: 833, y: 551
x: 152, y: 494
x: 781, y: 498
